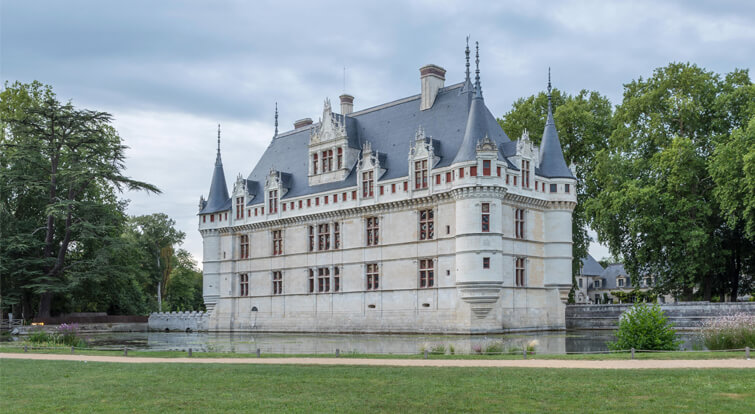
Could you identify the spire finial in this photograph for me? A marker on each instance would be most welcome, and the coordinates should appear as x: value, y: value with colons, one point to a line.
x: 276, y: 119
x: 218, y: 139
x: 466, y: 52
x: 477, y: 86
x: 549, y: 89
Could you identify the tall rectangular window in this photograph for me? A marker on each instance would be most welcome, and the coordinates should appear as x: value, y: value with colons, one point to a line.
x: 314, y: 164
x: 367, y: 185
x: 498, y: 171
x: 277, y: 242
x: 239, y: 208
x: 311, y: 238
x: 244, y: 246
x: 336, y: 235
x: 426, y: 224
x: 373, y: 276
x: 426, y: 273
x: 437, y: 179
x: 461, y: 172
x: 486, y: 167
x: 486, y: 263
x: 519, y: 223
x: 554, y: 188
x: 340, y: 158
x: 323, y: 237
x: 323, y: 279
x: 243, y: 284
x: 277, y: 283
x: 525, y: 173
x: 566, y: 188
x: 273, y: 202
x: 520, y: 273
x: 485, y: 217
x: 373, y: 228
x: 449, y: 177
x: 473, y: 171
x: 420, y: 174
x: 327, y: 161
x: 311, y: 281
x: 336, y: 279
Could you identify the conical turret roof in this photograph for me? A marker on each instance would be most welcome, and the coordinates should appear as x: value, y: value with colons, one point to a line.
x: 552, y: 163
x: 218, y: 199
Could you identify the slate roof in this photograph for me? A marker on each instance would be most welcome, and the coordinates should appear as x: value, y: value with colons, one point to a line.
x: 390, y: 129
x: 591, y: 267
x: 609, y: 275
x: 218, y: 199
x: 552, y: 163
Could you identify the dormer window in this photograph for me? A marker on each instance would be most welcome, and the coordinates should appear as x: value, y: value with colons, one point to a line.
x: 327, y: 161
x: 367, y: 184
x: 340, y: 158
x: 273, y: 201
x: 331, y: 154
x: 239, y: 208
x: 420, y: 174
x: 486, y: 167
x: 526, y: 173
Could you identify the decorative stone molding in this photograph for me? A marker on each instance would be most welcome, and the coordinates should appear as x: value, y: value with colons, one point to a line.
x: 486, y: 145
x: 481, y: 296
x: 329, y: 128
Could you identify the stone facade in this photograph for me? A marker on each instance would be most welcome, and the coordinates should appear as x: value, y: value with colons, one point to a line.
x: 345, y: 242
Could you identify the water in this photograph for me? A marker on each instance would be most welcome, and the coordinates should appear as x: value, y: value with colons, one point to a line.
x: 578, y: 341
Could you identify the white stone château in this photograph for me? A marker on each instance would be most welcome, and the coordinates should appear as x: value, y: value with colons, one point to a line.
x: 418, y: 215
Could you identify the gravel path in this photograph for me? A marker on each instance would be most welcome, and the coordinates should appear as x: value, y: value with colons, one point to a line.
x: 530, y: 363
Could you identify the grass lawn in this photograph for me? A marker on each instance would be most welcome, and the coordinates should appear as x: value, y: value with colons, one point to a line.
x: 67, y: 386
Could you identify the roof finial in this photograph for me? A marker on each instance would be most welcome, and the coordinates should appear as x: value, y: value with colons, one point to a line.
x: 466, y: 52
x: 218, y: 139
x: 276, y: 119
x: 478, y: 87
x: 549, y: 89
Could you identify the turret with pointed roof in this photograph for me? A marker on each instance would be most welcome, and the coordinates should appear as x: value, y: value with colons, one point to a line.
x: 218, y: 199
x: 552, y: 163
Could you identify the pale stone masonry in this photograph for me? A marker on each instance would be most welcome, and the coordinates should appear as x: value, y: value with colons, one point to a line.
x: 419, y: 215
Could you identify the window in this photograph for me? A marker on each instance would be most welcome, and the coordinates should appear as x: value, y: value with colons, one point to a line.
x: 367, y: 190
x: 314, y: 164
x: 393, y: 188
x: 580, y: 283
x: 536, y: 183
x: 449, y: 177
x: 244, y: 246
x: 597, y: 284
x: 520, y: 271
x: 336, y: 279
x: 340, y: 158
x: 373, y: 276
x: 323, y: 279
x: 325, y: 199
x: 311, y: 280
x: 519, y: 223
x: 473, y: 171
x: 336, y: 235
x: 420, y: 174
x: 507, y: 179
x: 486, y: 263
x: 212, y: 218
x: 284, y: 206
x: 204, y: 219
x: 426, y: 273
x: 382, y: 190
x: 426, y: 226
x: 406, y: 186
x: 373, y: 228
x: 317, y: 201
x: 525, y: 173
x: 311, y: 238
x: 354, y: 195
x: 515, y: 180
x: 243, y: 284
x: 277, y: 242
x: 485, y: 219
x: 498, y: 171
x: 343, y: 196
x: 461, y: 173
x: 621, y: 282
x: 291, y: 205
x: 323, y: 237
x: 239, y: 208
x: 486, y: 167
x: 554, y: 188
x: 327, y: 161
x: 437, y: 179
x: 566, y: 188
x: 277, y: 283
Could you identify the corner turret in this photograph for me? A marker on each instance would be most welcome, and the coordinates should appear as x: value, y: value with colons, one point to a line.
x: 218, y: 199
x: 552, y: 163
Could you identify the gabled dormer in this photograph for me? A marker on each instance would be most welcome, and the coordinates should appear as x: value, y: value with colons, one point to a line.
x: 487, y: 156
x: 369, y: 171
x: 422, y: 159
x: 276, y: 186
x: 330, y: 155
x: 240, y: 198
x: 525, y: 159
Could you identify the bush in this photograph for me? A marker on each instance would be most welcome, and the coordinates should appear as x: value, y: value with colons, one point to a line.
x: 644, y: 327
x: 439, y: 349
x: 40, y: 337
x: 494, y: 348
x: 729, y: 332
x: 65, y: 334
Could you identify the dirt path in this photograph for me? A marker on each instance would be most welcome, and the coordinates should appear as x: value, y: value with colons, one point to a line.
x: 531, y: 363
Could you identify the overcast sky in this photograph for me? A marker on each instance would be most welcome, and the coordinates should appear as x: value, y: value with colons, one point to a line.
x: 170, y: 71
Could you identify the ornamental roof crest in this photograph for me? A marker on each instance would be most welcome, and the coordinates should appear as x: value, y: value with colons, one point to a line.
x: 329, y: 128
x: 486, y: 144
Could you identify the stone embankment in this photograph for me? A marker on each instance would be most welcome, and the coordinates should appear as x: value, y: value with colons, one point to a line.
x: 178, y: 321
x: 684, y: 315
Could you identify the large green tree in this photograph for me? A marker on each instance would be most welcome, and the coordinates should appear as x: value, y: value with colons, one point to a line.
x: 61, y: 169
x: 656, y: 201
x: 184, y: 290
x: 583, y: 122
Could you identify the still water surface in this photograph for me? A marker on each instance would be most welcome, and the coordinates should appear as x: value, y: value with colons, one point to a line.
x: 279, y: 343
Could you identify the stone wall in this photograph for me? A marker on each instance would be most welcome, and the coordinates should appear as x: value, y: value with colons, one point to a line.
x: 178, y: 321
x: 684, y: 315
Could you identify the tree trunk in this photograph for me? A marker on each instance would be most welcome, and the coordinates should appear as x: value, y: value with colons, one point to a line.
x: 707, y: 287
x: 45, y: 305
x: 736, y: 270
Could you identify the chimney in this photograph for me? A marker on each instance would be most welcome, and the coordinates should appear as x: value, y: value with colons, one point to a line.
x: 347, y: 104
x: 432, y: 78
x: 302, y: 123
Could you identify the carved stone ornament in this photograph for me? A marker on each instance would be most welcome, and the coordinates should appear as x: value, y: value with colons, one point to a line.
x: 273, y: 179
x: 239, y: 187
x: 524, y: 147
x: 369, y: 160
x: 486, y: 145
x: 329, y: 128
x: 202, y: 202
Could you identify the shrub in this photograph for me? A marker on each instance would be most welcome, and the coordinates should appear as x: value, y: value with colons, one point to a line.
x: 67, y: 335
x: 644, y: 327
x: 39, y: 337
x: 439, y: 349
x: 729, y: 332
x: 494, y: 348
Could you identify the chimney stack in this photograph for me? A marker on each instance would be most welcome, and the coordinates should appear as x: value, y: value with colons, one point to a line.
x: 302, y: 123
x: 432, y: 78
x: 347, y: 104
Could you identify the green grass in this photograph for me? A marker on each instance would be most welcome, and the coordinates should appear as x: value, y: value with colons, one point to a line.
x: 179, y: 354
x: 67, y: 386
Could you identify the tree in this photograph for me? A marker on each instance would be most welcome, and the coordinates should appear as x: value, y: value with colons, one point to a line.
x: 655, y: 200
x: 184, y: 290
x: 583, y: 122
x: 61, y: 167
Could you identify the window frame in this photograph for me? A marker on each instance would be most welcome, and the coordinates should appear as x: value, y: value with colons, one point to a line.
x: 368, y: 190
x: 277, y: 282
x: 426, y: 220
x: 277, y: 237
x: 485, y: 217
x: 372, y: 228
x: 426, y: 273
x: 243, y: 284
x: 243, y: 246
x: 520, y: 272
x: 372, y: 276
x: 519, y: 223
x: 420, y: 174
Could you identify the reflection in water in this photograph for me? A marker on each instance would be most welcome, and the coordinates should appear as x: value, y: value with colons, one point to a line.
x: 547, y: 342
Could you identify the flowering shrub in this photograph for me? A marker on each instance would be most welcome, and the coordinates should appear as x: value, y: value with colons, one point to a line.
x: 729, y: 332
x: 644, y: 327
x: 64, y: 334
